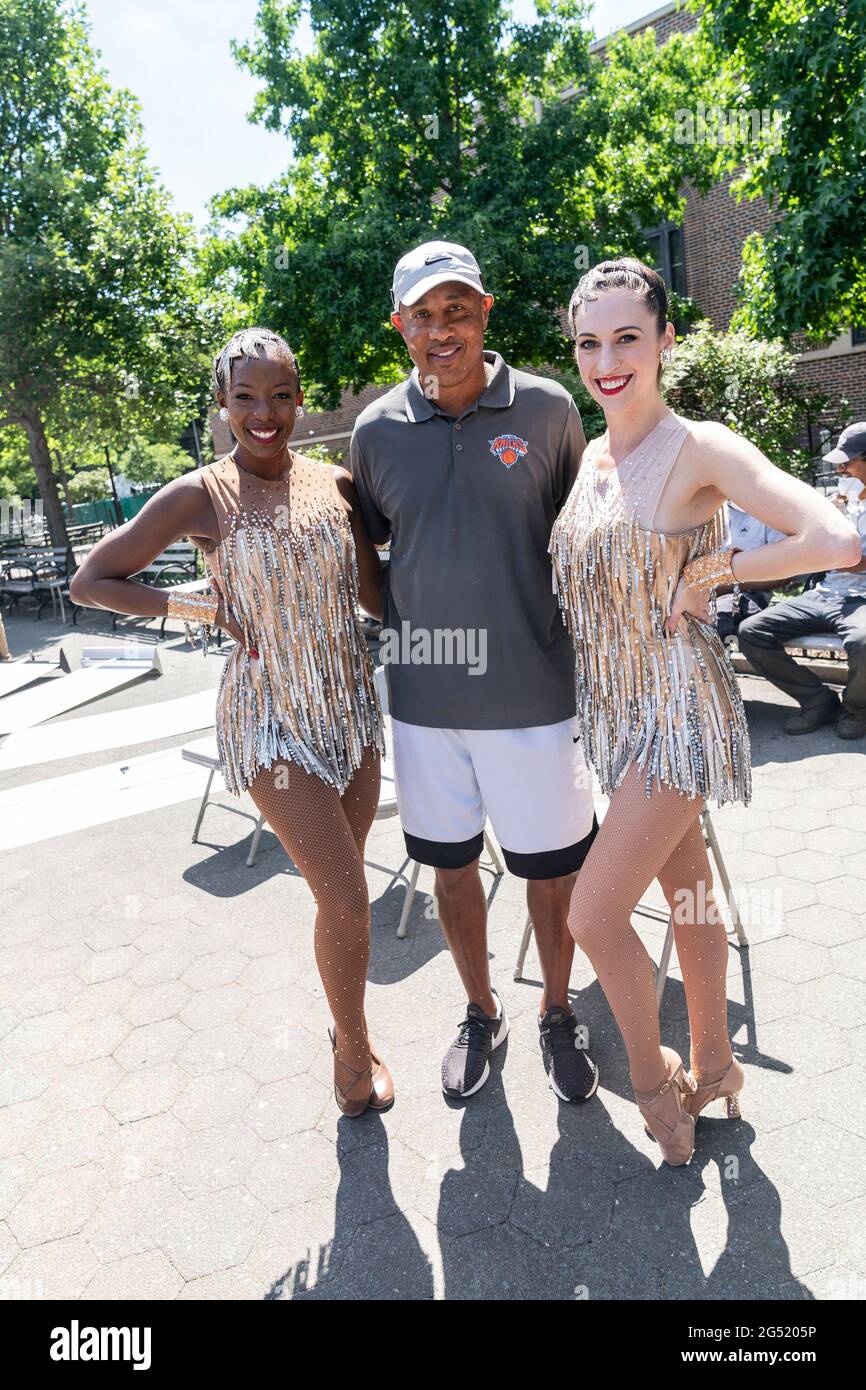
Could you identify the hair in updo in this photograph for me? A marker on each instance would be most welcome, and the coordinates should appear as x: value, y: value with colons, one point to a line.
x: 251, y: 342
x: 625, y: 273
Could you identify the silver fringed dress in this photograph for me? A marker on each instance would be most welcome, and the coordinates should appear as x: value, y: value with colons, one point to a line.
x: 669, y: 703
x: 286, y: 568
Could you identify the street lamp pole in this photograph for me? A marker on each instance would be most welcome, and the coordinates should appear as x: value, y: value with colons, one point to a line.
x: 118, y: 510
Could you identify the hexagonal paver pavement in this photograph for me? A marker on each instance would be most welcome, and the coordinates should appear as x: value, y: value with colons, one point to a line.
x: 167, y: 1122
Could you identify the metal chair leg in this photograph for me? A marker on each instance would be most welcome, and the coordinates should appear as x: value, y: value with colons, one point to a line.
x: 202, y: 807
x: 407, y: 902
x: 254, y: 847
x: 494, y: 853
x: 712, y: 843
x: 524, y: 947
x: 664, y: 962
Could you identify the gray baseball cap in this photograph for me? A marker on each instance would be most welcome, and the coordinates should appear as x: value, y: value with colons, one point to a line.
x: 852, y: 445
x: 433, y: 263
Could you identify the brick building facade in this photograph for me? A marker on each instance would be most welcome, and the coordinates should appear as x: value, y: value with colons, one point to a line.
x: 710, y: 241
x: 701, y: 258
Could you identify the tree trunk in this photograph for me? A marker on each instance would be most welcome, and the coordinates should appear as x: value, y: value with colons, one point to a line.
x: 47, y: 483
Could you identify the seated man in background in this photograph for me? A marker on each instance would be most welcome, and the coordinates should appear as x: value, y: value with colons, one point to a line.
x: 745, y: 532
x: 837, y: 604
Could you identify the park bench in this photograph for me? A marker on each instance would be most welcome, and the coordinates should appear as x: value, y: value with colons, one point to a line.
x: 822, y: 652
x: 43, y: 571
x: 38, y: 572
x: 176, y: 566
x: 174, y: 569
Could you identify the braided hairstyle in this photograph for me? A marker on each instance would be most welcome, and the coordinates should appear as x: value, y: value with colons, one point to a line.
x: 250, y: 342
x: 625, y: 273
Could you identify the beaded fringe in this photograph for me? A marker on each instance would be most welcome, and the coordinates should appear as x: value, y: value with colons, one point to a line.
x: 310, y: 698
x: 669, y: 703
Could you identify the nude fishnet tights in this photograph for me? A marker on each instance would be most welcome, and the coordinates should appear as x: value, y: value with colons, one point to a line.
x: 324, y: 834
x: 641, y: 840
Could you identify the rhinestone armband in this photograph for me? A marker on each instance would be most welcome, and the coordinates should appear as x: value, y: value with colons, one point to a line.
x: 194, y: 608
x: 707, y: 572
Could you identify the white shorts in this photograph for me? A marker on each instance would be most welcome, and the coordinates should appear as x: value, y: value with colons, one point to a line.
x: 534, y: 784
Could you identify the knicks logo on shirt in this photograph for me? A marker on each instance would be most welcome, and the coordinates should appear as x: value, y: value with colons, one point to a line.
x: 508, y: 448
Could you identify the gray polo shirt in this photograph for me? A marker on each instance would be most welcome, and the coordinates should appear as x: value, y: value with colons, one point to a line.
x: 473, y: 634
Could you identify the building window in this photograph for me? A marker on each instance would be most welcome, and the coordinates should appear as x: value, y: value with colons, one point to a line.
x: 668, y: 255
x: 858, y: 335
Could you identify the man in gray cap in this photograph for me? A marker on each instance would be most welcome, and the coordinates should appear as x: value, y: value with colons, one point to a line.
x: 465, y: 466
x: 837, y: 604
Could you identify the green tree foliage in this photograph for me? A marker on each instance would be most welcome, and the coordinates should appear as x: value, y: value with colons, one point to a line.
x: 103, y: 327
x: 410, y: 120
x: 16, y: 472
x: 92, y: 485
x: 145, y: 462
x: 805, y: 59
x: 750, y: 385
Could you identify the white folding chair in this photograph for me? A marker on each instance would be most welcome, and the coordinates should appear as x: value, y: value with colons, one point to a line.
x: 204, y: 754
x: 658, y: 915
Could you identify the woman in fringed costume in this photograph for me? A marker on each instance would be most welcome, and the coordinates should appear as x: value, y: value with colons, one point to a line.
x: 638, y: 553
x: 298, y: 724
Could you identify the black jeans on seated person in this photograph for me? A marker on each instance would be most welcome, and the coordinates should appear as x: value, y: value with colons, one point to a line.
x: 730, y: 616
x: 762, y: 638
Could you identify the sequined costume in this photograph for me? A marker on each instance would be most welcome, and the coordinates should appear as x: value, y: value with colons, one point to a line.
x: 285, y: 566
x: 669, y: 703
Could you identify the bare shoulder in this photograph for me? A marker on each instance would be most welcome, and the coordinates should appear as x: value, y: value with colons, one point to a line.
x: 189, y: 490
x: 187, y: 502
x: 182, y: 493
x: 712, y: 444
x: 191, y: 483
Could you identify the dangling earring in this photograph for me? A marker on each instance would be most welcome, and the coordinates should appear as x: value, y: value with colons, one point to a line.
x: 224, y: 415
x: 300, y: 410
x: 667, y: 356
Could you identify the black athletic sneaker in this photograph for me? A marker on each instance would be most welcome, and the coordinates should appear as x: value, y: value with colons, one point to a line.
x: 467, y: 1062
x: 573, y: 1074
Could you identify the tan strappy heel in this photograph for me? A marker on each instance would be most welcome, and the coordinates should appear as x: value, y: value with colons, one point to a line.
x: 667, y: 1120
x: 350, y: 1107
x: 727, y: 1087
x: 381, y: 1093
